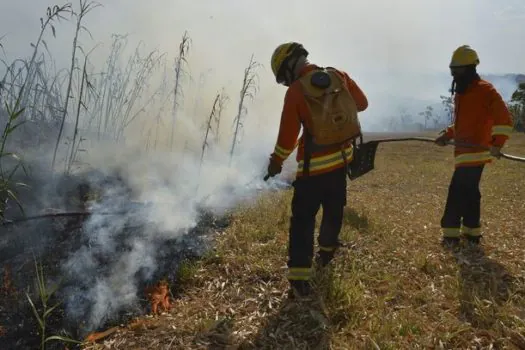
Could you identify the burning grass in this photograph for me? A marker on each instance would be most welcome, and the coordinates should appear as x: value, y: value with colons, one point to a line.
x: 82, y: 280
x: 392, y: 287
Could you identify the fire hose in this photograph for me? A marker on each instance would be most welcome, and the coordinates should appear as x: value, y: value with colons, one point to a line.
x: 6, y: 223
x: 362, y: 163
x: 453, y: 143
x: 364, y: 154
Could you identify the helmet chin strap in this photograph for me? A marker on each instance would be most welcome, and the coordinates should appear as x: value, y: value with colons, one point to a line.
x: 461, y: 82
x: 293, y: 67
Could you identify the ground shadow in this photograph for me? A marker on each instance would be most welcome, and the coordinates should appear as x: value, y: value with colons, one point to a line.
x: 217, y: 335
x: 484, y: 285
x: 298, y: 324
x: 355, y: 220
x: 308, y: 323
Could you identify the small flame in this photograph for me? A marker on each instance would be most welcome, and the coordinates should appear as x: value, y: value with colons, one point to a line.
x: 95, y: 336
x: 158, y: 296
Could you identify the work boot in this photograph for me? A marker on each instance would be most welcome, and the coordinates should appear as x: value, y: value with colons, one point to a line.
x: 323, y: 258
x: 300, y: 289
x: 450, y: 242
x: 474, y: 240
x: 343, y: 244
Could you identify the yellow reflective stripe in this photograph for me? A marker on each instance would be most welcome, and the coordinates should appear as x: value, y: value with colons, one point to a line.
x: 473, y: 157
x: 300, y: 270
x: 299, y: 273
x: 505, y: 130
x: 451, y: 232
x: 328, y: 160
x: 282, y: 152
x: 326, y: 249
x: 476, y: 231
x: 298, y: 278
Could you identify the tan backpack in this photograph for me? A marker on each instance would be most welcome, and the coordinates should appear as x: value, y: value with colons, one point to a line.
x: 333, y: 112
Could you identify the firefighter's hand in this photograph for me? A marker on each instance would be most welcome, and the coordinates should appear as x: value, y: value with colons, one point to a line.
x: 441, y: 140
x: 274, y: 168
x: 495, y: 151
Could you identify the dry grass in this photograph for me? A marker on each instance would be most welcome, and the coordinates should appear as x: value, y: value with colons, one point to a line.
x: 394, y: 287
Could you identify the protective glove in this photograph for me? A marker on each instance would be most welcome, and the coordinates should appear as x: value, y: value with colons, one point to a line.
x: 441, y: 140
x: 274, y: 168
x: 495, y: 151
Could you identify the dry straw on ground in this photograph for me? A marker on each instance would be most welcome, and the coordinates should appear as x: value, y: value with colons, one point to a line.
x: 393, y: 287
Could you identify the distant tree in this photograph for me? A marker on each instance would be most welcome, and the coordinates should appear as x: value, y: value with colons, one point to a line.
x: 448, y: 105
x: 392, y: 124
x: 517, y: 107
x: 427, y: 115
x: 406, y: 118
x: 422, y: 114
x: 437, y: 120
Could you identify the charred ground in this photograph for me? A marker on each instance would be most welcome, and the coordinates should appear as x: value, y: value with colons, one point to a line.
x: 49, y: 243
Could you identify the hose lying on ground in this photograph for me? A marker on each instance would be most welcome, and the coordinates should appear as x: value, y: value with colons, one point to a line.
x: 363, y: 169
x: 58, y: 215
x: 88, y: 213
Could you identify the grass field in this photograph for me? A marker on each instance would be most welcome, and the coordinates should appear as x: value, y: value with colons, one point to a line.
x: 393, y: 287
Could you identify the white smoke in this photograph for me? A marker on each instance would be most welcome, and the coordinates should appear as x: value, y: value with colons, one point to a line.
x: 391, y: 61
x: 168, y: 190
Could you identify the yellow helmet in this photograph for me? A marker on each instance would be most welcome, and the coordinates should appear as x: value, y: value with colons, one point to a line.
x: 464, y: 56
x: 281, y: 54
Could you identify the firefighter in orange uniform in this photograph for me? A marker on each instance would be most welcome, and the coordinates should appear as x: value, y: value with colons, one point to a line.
x: 325, y: 102
x: 481, y: 117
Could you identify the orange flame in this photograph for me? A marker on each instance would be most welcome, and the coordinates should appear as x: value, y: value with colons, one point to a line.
x: 95, y: 336
x: 158, y: 296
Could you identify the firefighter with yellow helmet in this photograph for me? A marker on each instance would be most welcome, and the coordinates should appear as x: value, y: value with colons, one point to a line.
x: 480, y: 118
x: 324, y: 102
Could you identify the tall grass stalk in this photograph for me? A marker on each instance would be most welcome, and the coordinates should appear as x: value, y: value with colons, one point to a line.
x: 6, y: 188
x: 184, y: 47
x: 54, y: 13
x: 208, y: 129
x: 85, y: 8
x: 45, y: 294
x: 80, y: 104
x: 223, y: 100
x: 116, y: 100
x: 248, y: 90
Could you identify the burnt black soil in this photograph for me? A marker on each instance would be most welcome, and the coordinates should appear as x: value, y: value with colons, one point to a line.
x: 51, y: 242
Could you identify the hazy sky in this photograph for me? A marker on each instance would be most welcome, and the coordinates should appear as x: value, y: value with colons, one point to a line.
x: 386, y: 45
x: 357, y: 34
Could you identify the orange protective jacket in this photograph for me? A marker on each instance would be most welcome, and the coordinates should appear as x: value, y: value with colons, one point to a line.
x: 293, y: 117
x: 481, y: 117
